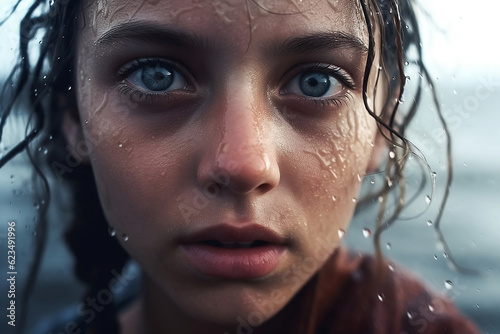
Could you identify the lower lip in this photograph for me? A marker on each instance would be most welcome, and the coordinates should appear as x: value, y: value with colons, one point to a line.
x: 233, y: 263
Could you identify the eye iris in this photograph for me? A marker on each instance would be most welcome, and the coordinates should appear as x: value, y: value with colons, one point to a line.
x: 157, y: 78
x: 314, y: 84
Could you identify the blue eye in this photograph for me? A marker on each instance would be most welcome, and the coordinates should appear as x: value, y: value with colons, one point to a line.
x: 154, y: 75
x: 314, y: 84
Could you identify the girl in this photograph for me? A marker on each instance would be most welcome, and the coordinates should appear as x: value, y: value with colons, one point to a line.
x: 228, y: 141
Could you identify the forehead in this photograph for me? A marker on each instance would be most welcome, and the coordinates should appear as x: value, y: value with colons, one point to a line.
x: 239, y: 22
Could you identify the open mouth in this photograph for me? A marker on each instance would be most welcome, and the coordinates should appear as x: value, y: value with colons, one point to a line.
x: 251, y: 244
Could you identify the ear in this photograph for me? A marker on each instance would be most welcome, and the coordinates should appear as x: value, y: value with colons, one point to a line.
x: 378, y: 152
x: 72, y: 131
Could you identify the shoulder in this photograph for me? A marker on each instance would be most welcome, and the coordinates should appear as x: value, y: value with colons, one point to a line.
x: 358, y: 294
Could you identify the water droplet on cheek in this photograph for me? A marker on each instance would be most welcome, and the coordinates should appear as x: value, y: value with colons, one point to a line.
x: 341, y: 233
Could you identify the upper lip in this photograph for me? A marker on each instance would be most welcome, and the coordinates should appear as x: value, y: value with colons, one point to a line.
x: 226, y: 233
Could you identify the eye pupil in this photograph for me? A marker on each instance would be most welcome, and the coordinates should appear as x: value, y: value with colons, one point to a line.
x: 314, y: 84
x: 157, y: 78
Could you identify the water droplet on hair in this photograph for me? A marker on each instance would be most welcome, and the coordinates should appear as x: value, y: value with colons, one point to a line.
x: 429, y: 223
x: 392, y: 154
x: 341, y: 233
x: 34, y: 233
x: 380, y: 297
x: 111, y: 231
x: 448, y: 284
x: 36, y: 206
x: 86, y: 121
x: 45, y: 152
x: 69, y: 88
x: 367, y: 233
x: 44, y: 77
x: 428, y: 199
x: 409, y: 315
x: 389, y: 246
x: 125, y: 237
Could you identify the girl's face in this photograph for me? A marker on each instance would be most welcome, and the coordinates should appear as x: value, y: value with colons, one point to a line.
x: 228, y: 140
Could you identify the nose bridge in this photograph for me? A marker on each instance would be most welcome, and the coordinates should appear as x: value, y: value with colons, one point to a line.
x: 244, y: 153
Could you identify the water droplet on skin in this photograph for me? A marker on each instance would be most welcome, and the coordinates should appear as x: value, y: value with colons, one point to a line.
x: 407, y: 63
x: 111, y: 231
x: 367, y: 233
x: 36, y: 206
x: 409, y: 315
x: 334, y: 198
x: 69, y: 88
x: 125, y: 237
x: 86, y: 121
x: 120, y: 145
x: 429, y: 223
x: 455, y: 92
x: 389, y: 246
x: 435, y: 257
x: 34, y: 233
x: 372, y: 182
x: 465, y: 164
x: 391, y: 268
x: 40, y: 42
x: 431, y: 308
x: 448, y: 285
x: 380, y: 297
x: 477, y: 305
x: 445, y: 255
x: 354, y: 199
x: 341, y: 233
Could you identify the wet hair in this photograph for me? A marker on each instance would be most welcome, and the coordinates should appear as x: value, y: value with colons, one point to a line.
x: 44, y: 76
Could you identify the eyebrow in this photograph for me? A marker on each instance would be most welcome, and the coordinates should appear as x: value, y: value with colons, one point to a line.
x: 153, y: 33
x: 150, y: 33
x: 320, y: 41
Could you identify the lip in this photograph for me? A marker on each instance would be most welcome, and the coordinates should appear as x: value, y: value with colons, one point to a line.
x: 207, y: 251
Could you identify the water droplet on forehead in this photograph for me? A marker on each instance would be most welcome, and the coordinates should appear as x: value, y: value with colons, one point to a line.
x: 367, y: 232
x: 448, y: 284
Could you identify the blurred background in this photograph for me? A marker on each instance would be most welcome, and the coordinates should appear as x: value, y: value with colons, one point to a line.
x: 461, y: 51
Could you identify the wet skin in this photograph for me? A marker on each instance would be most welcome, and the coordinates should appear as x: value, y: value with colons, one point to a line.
x: 219, y: 113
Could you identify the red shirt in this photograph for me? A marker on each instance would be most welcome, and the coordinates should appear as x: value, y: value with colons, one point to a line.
x: 357, y: 294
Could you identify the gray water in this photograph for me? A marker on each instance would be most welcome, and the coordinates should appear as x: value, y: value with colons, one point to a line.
x: 471, y: 222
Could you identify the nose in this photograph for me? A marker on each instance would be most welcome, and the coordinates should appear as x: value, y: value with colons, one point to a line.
x: 242, y: 155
